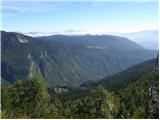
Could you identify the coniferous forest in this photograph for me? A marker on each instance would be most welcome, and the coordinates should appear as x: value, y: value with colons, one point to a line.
x: 32, y: 99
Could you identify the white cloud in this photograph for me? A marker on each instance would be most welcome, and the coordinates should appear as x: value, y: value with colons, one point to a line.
x: 66, y: 32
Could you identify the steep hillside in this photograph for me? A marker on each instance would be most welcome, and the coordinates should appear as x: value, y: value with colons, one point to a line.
x: 122, y: 79
x: 68, y: 60
x: 18, y: 54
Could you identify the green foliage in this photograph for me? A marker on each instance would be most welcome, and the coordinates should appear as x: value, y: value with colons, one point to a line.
x: 102, y: 102
x: 132, y: 98
x: 25, y: 99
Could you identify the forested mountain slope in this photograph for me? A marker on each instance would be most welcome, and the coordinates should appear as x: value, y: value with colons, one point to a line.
x: 68, y: 60
x: 122, y: 79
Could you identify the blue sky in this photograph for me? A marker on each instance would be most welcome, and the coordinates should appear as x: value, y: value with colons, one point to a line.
x: 80, y: 16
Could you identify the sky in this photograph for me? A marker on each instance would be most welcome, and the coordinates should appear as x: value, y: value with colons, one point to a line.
x: 79, y: 16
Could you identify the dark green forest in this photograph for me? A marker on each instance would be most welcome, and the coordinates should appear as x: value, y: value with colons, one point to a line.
x: 32, y: 99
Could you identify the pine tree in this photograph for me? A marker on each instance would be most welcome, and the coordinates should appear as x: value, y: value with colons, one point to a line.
x: 102, y: 107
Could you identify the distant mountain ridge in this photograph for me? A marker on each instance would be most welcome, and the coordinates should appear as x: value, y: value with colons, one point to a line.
x: 68, y: 60
x: 147, y: 38
x: 99, y: 40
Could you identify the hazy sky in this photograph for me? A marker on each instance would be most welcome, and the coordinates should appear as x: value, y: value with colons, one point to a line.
x: 80, y: 16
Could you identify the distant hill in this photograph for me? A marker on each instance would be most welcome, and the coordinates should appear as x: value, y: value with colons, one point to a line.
x: 124, y: 78
x: 68, y: 60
